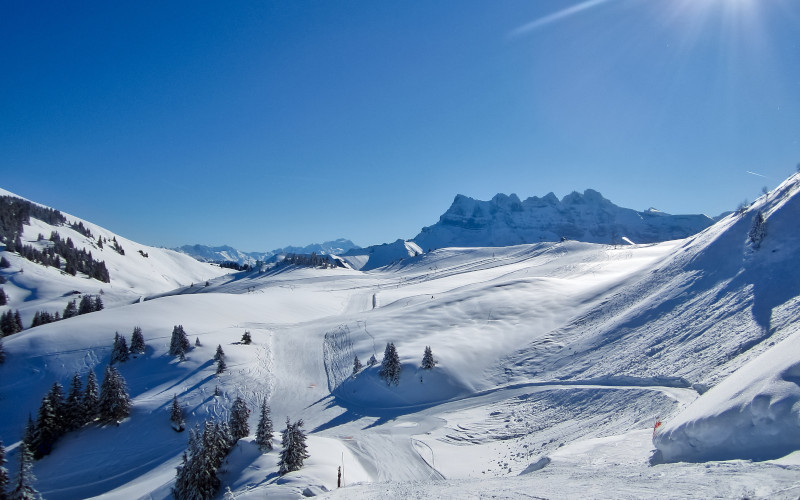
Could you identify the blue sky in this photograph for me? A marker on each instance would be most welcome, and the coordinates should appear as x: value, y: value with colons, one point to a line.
x: 263, y: 124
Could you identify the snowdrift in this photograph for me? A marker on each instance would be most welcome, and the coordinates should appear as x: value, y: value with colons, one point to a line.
x: 754, y: 414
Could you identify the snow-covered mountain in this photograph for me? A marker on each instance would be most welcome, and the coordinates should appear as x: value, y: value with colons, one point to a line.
x: 505, y: 220
x: 226, y: 253
x: 134, y: 270
x: 554, y: 362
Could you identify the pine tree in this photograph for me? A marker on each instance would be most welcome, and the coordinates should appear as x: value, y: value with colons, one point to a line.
x: 98, y: 302
x: 86, y: 305
x: 246, y: 338
x: 17, y: 322
x: 2, y: 351
x: 758, y: 230
x: 3, y: 473
x: 238, y: 419
x: 30, y: 433
x: 176, y: 415
x: 220, y: 354
x: 264, y: 429
x: 179, y: 343
x: 91, y: 399
x: 372, y: 361
x: 197, y: 342
x: 221, y: 366
x: 46, y: 433
x: 137, y: 342
x: 114, y: 403
x: 357, y: 366
x: 427, y: 359
x: 73, y: 407
x: 120, y: 352
x: 71, y: 310
x: 293, y: 448
x: 390, y: 366
x: 3, y: 297
x: 23, y: 487
x: 56, y: 397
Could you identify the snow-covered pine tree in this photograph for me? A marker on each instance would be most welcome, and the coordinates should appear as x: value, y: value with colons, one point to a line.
x: 114, y: 403
x: 179, y: 343
x: 176, y: 415
x: 372, y: 361
x: 246, y: 338
x: 427, y: 359
x: 228, y: 494
x: 91, y: 399
x: 238, y: 419
x: 758, y: 230
x: 46, y: 433
x: 86, y: 305
x: 390, y: 366
x: 73, y: 406
x: 71, y: 310
x: 293, y: 448
x: 30, y: 432
x: 23, y: 486
x: 197, y: 342
x: 120, y: 352
x: 221, y: 366
x: 137, y: 342
x: 3, y: 472
x: 357, y: 366
x: 220, y: 354
x: 264, y: 429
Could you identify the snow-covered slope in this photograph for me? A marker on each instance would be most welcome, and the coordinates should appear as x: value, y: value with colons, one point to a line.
x: 226, y: 253
x: 554, y: 361
x: 141, y: 271
x: 505, y: 220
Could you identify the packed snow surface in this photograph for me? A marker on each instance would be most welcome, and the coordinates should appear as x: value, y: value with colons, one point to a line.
x: 554, y: 363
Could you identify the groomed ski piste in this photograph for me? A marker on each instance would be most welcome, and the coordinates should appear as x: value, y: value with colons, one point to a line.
x: 555, y: 361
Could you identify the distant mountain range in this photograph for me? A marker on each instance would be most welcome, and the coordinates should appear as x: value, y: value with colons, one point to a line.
x: 226, y: 253
x: 588, y: 217
x: 502, y: 221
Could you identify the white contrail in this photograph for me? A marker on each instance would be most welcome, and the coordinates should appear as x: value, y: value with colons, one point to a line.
x: 557, y: 16
x: 754, y: 173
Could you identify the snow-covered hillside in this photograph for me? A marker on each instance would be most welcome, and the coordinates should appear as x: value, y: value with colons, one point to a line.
x: 554, y: 362
x: 505, y: 220
x: 141, y: 271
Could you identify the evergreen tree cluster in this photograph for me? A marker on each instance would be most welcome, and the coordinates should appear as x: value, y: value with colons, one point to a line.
x: 80, y: 228
x: 10, y: 323
x: 44, y: 317
x: 293, y: 448
x: 75, y: 260
x: 229, y: 264
x: 16, y: 213
x: 116, y: 246
x: 179, y: 342
x: 58, y: 415
x: 305, y: 260
x: 120, y: 352
x: 196, y: 477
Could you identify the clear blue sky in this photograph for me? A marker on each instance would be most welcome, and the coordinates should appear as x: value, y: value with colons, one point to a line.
x: 261, y: 124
